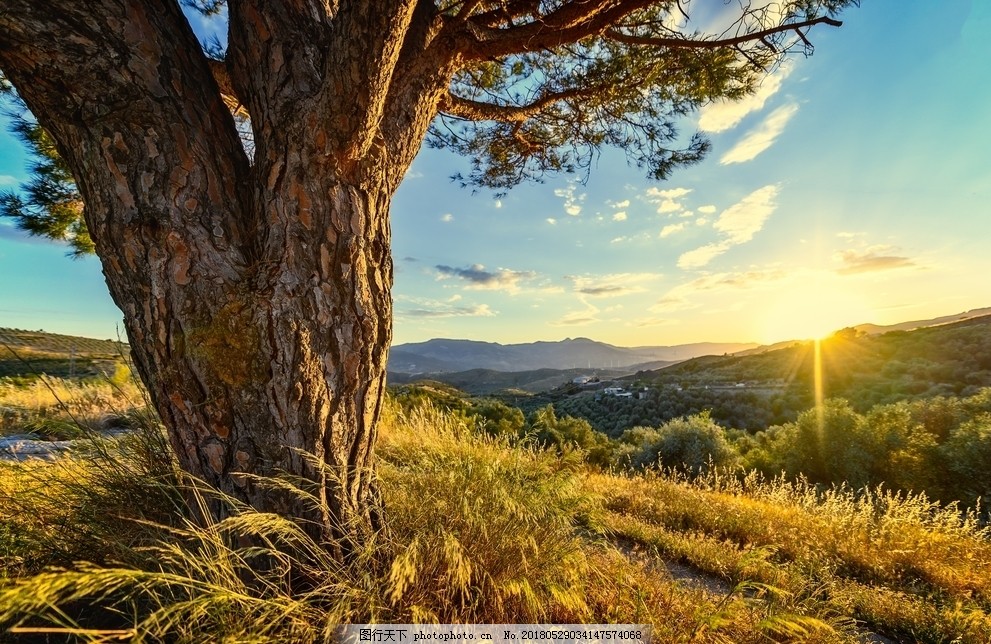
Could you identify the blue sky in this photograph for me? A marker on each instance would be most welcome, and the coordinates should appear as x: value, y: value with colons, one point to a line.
x: 855, y: 187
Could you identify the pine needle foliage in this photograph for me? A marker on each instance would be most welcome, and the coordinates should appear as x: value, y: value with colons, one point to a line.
x: 49, y: 204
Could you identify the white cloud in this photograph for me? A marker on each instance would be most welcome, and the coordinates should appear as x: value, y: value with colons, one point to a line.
x: 761, y: 137
x: 671, y: 229
x: 741, y: 221
x: 701, y: 221
x: 703, y: 255
x: 620, y: 204
x: 572, y: 200
x: 707, y: 209
x: 551, y: 221
x: 738, y: 224
x: 654, y: 194
x: 497, y: 203
x: 619, y: 216
x: 447, y: 217
x: 7, y: 180
x: 667, y: 200
x: 723, y: 115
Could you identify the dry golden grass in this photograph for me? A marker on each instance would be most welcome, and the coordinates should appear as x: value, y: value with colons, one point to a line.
x: 66, y: 408
x: 480, y: 531
x: 902, y: 564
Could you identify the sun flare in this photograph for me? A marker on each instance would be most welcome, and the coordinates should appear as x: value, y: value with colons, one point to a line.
x: 814, y: 311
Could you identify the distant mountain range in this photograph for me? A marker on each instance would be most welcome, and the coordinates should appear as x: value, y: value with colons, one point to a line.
x: 442, y: 355
x: 488, y: 367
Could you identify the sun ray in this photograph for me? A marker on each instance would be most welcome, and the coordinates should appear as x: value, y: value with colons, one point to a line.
x: 818, y: 388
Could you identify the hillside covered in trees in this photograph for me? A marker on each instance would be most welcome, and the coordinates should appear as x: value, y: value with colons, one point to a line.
x: 753, y: 392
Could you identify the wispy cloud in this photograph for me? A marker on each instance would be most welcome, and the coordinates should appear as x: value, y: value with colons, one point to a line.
x: 654, y: 321
x: 611, y: 285
x: 580, y: 317
x: 761, y: 137
x: 680, y: 297
x: 7, y: 180
x: 708, y: 210
x: 671, y: 229
x: 572, y: 199
x: 426, y: 308
x: 723, y: 115
x: 575, y: 319
x: 447, y: 311
x: 447, y: 217
x: 738, y: 224
x: 741, y: 221
x: 875, y: 258
x: 703, y: 255
x: 478, y: 278
x: 619, y: 216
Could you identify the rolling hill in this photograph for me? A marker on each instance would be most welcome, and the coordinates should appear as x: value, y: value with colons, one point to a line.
x: 26, y: 353
x: 941, y: 358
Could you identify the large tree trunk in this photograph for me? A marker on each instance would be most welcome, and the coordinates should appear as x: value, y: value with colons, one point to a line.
x: 256, y: 294
x: 281, y: 369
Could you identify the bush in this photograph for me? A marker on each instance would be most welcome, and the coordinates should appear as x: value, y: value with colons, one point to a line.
x: 967, y: 455
x: 692, y: 445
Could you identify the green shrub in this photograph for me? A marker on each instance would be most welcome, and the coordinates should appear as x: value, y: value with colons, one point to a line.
x: 693, y: 444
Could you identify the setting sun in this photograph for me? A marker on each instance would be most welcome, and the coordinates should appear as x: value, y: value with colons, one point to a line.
x: 813, y: 311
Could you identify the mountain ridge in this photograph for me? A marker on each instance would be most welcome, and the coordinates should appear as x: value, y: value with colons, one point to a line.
x: 440, y: 355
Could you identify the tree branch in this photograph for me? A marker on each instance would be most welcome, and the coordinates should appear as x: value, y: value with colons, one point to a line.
x: 472, y: 110
x: 689, y: 43
x: 567, y: 24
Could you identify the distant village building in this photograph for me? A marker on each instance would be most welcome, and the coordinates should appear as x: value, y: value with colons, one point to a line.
x: 582, y: 380
x: 612, y: 391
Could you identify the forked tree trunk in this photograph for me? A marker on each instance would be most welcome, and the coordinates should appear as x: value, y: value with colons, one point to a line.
x: 256, y: 295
